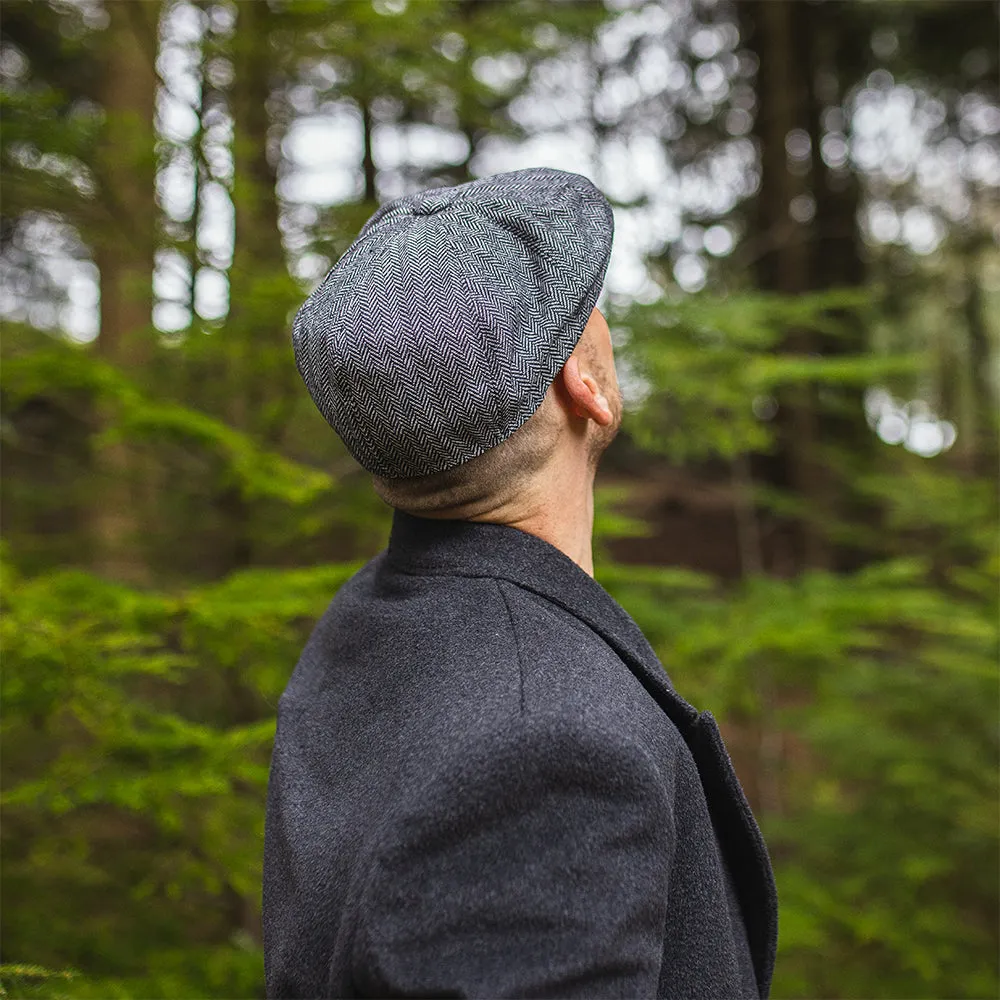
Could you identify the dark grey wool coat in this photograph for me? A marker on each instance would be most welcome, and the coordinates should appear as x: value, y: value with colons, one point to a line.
x: 484, y: 785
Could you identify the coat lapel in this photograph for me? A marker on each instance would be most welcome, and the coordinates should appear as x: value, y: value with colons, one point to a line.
x: 477, y: 548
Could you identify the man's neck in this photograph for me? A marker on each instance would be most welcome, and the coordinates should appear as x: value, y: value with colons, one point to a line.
x: 562, y: 517
x: 559, y: 509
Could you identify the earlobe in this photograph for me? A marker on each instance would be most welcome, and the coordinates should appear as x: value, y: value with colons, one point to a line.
x: 600, y: 399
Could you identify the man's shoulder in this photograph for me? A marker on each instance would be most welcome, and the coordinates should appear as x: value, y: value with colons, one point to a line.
x: 568, y: 668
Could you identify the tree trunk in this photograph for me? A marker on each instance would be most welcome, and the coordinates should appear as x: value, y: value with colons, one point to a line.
x: 806, y: 52
x: 261, y: 379
x: 124, y: 256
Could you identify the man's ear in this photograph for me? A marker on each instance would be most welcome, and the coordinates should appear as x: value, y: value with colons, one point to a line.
x: 584, y: 393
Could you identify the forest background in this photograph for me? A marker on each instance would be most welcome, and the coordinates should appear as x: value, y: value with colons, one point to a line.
x: 800, y: 511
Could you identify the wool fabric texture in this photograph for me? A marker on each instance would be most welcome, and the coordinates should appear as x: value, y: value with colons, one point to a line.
x: 438, y: 332
x: 484, y: 784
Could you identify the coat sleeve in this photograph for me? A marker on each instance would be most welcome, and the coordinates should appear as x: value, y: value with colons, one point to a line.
x: 535, y: 866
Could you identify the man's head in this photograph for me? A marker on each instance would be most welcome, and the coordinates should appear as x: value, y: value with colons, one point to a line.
x: 437, y: 345
x: 558, y: 446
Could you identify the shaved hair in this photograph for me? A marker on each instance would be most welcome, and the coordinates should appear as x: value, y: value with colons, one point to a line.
x: 498, y: 476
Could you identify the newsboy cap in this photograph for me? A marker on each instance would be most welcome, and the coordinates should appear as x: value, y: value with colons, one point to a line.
x: 438, y: 332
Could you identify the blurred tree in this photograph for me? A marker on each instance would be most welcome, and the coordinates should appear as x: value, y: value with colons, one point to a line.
x: 261, y: 387
x: 124, y: 169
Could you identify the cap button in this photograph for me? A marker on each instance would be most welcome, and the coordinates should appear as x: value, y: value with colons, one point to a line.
x: 432, y: 203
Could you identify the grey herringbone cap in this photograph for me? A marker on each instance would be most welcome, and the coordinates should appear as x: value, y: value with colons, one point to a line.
x: 438, y: 332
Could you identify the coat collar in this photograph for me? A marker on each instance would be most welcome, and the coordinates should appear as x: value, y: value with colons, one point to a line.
x: 477, y: 548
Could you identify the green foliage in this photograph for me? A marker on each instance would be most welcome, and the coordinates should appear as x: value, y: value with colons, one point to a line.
x: 18, y: 981
x: 44, y: 149
x: 881, y: 687
x: 706, y: 360
x: 860, y: 706
x: 139, y: 727
x: 63, y: 370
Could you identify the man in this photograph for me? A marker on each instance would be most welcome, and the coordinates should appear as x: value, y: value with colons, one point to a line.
x: 483, y: 782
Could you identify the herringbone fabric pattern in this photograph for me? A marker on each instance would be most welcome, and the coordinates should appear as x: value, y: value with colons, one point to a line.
x: 438, y: 332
